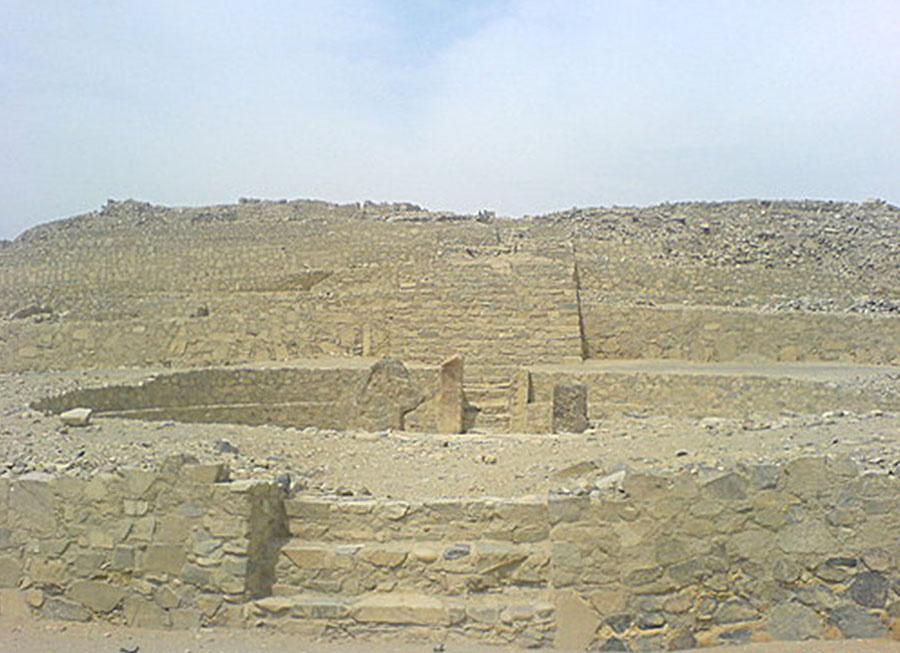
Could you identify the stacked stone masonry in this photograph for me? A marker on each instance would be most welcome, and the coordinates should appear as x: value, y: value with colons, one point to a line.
x: 756, y: 553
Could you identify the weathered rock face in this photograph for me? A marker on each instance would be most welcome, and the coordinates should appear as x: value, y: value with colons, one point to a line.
x: 451, y: 410
x: 386, y: 396
x: 570, y: 408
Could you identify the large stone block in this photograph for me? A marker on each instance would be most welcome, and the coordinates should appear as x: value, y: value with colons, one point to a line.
x: 98, y: 596
x: 10, y: 571
x: 451, y: 402
x: 570, y: 408
x: 385, y: 396
x: 576, y: 621
x: 401, y: 609
x: 57, y: 608
x: 164, y: 559
x: 32, y: 504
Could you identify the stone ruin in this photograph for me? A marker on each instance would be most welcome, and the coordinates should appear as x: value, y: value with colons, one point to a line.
x: 385, y: 316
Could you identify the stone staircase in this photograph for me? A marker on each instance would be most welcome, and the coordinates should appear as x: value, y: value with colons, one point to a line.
x: 498, y: 320
x: 353, y: 566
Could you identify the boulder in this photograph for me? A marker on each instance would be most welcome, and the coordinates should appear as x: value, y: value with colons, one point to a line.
x: 76, y: 417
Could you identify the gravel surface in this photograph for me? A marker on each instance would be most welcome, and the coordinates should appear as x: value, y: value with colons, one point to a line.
x: 423, y: 465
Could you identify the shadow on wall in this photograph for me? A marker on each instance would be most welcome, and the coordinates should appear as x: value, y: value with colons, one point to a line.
x: 332, y: 394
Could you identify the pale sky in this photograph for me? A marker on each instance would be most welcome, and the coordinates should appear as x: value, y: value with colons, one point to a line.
x: 515, y: 106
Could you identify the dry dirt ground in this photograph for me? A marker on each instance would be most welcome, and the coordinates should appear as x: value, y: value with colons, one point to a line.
x: 26, y: 636
x: 427, y: 466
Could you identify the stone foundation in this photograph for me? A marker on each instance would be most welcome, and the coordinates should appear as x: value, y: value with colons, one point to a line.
x: 654, y: 562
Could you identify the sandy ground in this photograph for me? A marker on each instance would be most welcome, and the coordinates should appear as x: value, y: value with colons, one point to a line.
x: 46, y: 637
x: 425, y: 465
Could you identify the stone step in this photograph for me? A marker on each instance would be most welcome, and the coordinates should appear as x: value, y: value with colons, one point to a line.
x: 490, y: 423
x: 525, y: 617
x: 444, y: 568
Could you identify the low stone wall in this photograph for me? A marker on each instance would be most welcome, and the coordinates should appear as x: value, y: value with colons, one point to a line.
x: 336, y: 394
x: 711, y: 334
x: 805, y: 551
x: 178, y: 547
x: 644, y: 562
x: 683, y: 392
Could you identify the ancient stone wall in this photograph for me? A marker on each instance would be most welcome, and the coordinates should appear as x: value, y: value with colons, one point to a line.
x: 176, y: 547
x: 710, y: 334
x: 696, y: 391
x: 797, y: 552
x: 649, y: 561
x: 336, y: 394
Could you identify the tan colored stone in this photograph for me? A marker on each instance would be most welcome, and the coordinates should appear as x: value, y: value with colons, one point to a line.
x: 576, y: 621
x: 34, y: 598
x: 10, y: 571
x: 98, y: 596
x: 451, y: 400
x: 311, y: 557
x: 206, y: 474
x: 401, y: 609
x: 49, y: 572
x: 143, y: 613
x: 164, y: 559
x: 166, y: 598
x: 13, y: 606
x: 76, y: 417
x: 383, y: 556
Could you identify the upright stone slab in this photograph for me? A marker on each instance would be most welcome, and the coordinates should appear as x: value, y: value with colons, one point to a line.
x: 386, y: 396
x: 570, y: 408
x: 451, y: 400
x: 521, y: 397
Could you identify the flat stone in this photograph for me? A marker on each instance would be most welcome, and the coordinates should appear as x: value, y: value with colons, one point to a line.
x: 734, y: 611
x: 76, y: 417
x: 794, y: 622
x: 141, y: 613
x: 806, y: 537
x: 576, y: 621
x: 209, y: 473
x: 10, y: 571
x: 681, y: 640
x: 164, y: 559
x: 614, y: 644
x: 870, y: 589
x: 98, y: 596
x: 401, y: 609
x: 856, y: 623
x: 57, y: 608
x: 730, y: 487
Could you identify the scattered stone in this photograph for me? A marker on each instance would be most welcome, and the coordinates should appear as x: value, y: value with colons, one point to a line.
x: 30, y: 311
x: 224, y: 446
x: 76, y: 417
x: 200, y: 311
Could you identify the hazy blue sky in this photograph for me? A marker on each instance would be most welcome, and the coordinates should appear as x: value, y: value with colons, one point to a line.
x: 516, y: 106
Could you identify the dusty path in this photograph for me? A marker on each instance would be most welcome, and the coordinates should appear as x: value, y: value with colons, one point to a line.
x: 50, y: 637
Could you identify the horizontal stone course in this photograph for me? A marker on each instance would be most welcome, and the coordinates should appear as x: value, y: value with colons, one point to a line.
x: 747, y: 553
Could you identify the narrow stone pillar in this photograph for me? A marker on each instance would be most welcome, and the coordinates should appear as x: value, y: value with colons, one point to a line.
x: 570, y: 408
x: 521, y: 397
x: 451, y: 403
